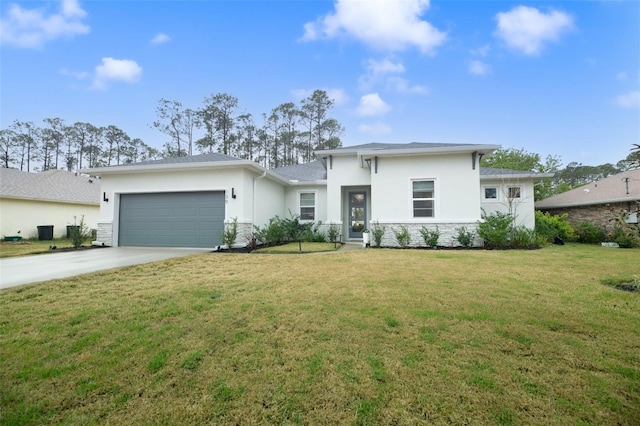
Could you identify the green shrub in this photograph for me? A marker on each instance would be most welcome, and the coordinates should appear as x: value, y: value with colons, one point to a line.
x: 548, y: 227
x: 589, y: 233
x: 495, y: 228
x: 377, y: 233
x: 333, y: 233
x: 465, y: 237
x: 625, y: 238
x: 273, y: 233
x: 429, y: 236
x: 230, y: 233
x: 524, y: 238
x: 403, y: 237
x: 79, y: 232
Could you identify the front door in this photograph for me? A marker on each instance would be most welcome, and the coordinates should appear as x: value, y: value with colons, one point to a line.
x: 357, y: 213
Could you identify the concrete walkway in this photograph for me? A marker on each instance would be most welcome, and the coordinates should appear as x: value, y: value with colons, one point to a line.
x: 15, y: 271
x: 351, y: 246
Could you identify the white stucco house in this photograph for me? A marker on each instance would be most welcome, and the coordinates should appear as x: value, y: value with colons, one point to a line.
x: 49, y: 198
x: 186, y: 201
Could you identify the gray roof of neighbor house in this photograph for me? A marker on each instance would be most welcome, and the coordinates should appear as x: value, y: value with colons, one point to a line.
x: 307, y: 172
x: 618, y: 188
x: 51, y: 185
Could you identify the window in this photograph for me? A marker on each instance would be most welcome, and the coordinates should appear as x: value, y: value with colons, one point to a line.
x: 307, y: 205
x: 423, y: 198
x: 490, y: 193
x: 513, y: 192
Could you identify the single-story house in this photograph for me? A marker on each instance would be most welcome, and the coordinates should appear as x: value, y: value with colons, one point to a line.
x: 49, y: 198
x: 187, y: 201
x: 591, y: 202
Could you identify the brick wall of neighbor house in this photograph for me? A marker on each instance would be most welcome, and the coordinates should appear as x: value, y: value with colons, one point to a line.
x: 597, y: 214
x: 447, y: 233
x: 105, y: 233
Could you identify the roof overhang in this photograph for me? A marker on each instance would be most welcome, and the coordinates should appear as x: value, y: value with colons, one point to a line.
x: 512, y: 176
x: 400, y: 152
x: 49, y: 200
x: 177, y: 167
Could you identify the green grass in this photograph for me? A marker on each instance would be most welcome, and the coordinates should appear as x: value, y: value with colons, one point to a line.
x: 362, y: 337
x: 307, y: 247
x: 28, y: 247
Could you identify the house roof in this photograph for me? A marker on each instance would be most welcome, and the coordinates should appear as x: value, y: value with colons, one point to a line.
x: 618, y: 188
x: 202, y: 161
x: 307, y: 172
x: 407, y: 148
x: 492, y: 173
x: 51, y: 185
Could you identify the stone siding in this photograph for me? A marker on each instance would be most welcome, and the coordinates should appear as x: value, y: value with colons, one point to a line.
x: 105, y: 233
x: 447, y: 231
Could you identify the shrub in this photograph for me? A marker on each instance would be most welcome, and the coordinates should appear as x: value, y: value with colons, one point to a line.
x: 230, y: 233
x: 524, y: 238
x: 548, y: 227
x: 377, y: 233
x: 495, y: 228
x: 333, y: 233
x: 589, y: 233
x: 273, y: 233
x: 625, y: 238
x: 429, y: 236
x: 465, y: 237
x: 79, y: 232
x: 403, y: 237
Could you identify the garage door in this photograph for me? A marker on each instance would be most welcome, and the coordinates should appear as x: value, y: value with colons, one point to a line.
x: 172, y: 219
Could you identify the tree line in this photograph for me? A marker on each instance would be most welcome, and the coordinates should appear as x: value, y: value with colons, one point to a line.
x: 288, y: 135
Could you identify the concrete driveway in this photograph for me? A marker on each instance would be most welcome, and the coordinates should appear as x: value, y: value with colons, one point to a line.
x: 15, y: 271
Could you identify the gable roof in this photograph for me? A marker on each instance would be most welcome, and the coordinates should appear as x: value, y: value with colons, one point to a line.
x: 51, y: 185
x: 306, y: 172
x: 618, y: 188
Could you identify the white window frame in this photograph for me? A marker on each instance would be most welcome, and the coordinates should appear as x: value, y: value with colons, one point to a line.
x: 520, y: 192
x: 433, y: 199
x: 484, y: 193
x: 315, y: 205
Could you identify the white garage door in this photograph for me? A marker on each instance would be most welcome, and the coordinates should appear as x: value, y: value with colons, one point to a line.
x: 172, y: 219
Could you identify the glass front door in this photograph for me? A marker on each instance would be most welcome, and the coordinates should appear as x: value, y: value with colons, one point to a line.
x: 357, y: 213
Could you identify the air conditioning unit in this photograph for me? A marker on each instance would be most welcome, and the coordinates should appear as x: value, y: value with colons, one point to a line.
x: 632, y: 218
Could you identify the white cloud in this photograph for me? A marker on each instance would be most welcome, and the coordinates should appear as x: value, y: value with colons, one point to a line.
x: 78, y: 75
x: 374, y: 129
x: 629, y: 100
x: 401, y: 85
x: 479, y: 68
x: 32, y: 28
x: 376, y: 72
x: 526, y: 29
x: 160, y: 38
x: 381, y: 24
x: 481, y: 51
x: 116, y: 70
x: 372, y: 104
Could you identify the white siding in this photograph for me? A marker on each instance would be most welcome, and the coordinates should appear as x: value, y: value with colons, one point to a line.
x: 26, y: 215
x: 522, y: 208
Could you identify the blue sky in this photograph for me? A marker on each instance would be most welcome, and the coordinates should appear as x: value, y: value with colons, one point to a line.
x: 554, y: 78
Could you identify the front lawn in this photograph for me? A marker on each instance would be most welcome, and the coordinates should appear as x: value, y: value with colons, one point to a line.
x: 363, y: 337
x: 28, y: 247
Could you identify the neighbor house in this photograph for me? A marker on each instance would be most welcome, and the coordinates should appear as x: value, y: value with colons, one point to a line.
x: 592, y: 202
x: 187, y: 201
x: 49, y: 198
